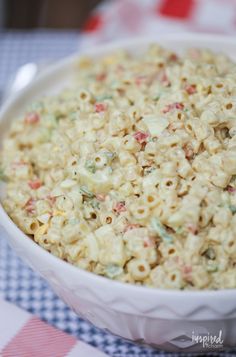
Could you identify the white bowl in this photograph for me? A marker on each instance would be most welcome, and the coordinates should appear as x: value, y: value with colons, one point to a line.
x: 162, y: 318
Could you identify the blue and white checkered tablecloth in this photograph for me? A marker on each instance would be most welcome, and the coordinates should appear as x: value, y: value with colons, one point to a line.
x: 18, y: 283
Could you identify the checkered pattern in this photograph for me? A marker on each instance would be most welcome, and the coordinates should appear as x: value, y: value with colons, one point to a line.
x: 18, y: 48
x: 18, y: 284
x: 112, y: 19
x: 18, y: 328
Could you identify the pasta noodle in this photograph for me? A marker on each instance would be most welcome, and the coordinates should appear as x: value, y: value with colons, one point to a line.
x: 131, y: 173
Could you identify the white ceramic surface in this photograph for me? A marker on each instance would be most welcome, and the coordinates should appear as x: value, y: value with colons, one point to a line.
x: 162, y: 318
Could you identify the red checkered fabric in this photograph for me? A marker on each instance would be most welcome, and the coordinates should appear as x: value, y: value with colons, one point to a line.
x: 176, y: 9
x: 23, y: 335
x: 115, y: 19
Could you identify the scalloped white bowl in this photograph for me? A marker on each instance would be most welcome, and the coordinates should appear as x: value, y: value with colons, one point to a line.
x: 165, y: 319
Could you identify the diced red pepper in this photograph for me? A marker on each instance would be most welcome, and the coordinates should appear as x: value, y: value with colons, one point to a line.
x: 190, y: 89
x: 32, y: 118
x: 179, y: 106
x: 101, y: 77
x: 141, y: 137
x: 187, y: 269
x: 231, y: 189
x: 173, y: 106
x: 30, y: 206
x: 120, y: 207
x: 167, y: 109
x: 100, y: 107
x: 35, y: 185
x: 187, y: 272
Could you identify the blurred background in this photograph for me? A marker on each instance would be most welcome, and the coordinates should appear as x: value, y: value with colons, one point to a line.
x: 28, y: 14
x: 203, y: 15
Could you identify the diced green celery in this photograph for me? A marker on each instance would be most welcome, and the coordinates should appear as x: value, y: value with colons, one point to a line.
x: 161, y: 231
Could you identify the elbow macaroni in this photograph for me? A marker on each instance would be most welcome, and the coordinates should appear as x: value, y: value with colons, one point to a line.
x: 131, y: 173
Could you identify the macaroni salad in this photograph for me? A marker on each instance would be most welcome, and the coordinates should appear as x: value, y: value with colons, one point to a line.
x: 130, y: 173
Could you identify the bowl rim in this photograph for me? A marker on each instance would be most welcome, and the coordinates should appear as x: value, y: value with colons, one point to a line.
x: 27, y: 243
